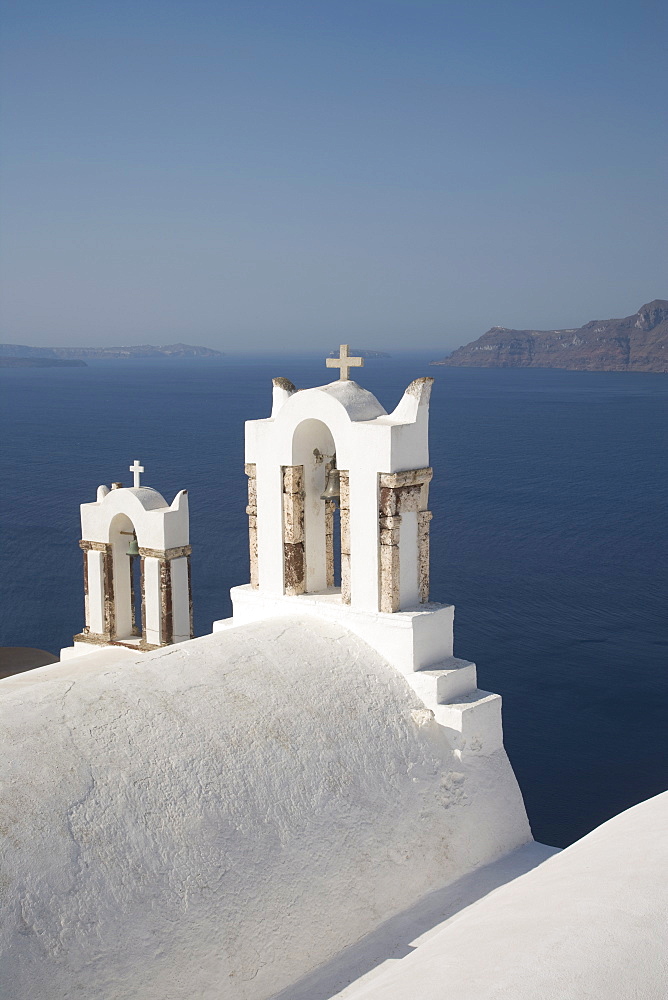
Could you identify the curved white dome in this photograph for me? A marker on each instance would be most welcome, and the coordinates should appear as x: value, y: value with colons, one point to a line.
x: 217, y: 818
x: 359, y: 403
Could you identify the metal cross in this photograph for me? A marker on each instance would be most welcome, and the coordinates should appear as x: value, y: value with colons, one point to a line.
x: 344, y: 362
x: 136, y: 469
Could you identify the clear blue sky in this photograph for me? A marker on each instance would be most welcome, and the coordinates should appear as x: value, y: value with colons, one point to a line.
x: 251, y: 175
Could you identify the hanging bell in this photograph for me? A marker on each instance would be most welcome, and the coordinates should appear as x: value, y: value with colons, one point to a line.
x: 332, y: 489
x: 133, y: 547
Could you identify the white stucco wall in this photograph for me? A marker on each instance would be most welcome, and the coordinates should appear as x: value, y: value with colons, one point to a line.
x: 590, y: 922
x: 217, y: 818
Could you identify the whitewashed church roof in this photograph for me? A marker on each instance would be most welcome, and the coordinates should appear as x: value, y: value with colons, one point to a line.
x: 219, y: 817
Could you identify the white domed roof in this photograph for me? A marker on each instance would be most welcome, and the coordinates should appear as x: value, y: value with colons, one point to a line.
x: 149, y: 498
x: 217, y: 818
x: 359, y: 403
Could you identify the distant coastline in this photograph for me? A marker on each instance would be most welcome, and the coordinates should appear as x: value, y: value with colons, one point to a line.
x: 22, y: 352
x: 42, y: 363
x: 361, y: 353
x: 637, y: 343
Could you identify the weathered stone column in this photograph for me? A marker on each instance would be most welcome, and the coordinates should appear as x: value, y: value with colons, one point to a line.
x: 403, y: 493
x: 166, y: 619
x: 251, y: 510
x: 133, y: 613
x: 99, y: 607
x: 344, y: 507
x: 294, y: 568
x: 424, y: 517
x: 142, y: 584
x: 389, y: 563
x: 330, y: 507
x: 191, y: 617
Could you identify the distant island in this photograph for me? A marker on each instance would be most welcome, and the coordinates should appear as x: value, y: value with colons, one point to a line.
x: 93, y: 353
x: 638, y: 343
x: 12, y: 362
x: 357, y: 352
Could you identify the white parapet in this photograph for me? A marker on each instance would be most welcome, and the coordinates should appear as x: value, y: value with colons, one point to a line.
x: 78, y: 649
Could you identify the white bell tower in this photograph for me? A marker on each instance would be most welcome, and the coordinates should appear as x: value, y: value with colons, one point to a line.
x: 294, y: 458
x: 124, y: 531
x: 383, y: 474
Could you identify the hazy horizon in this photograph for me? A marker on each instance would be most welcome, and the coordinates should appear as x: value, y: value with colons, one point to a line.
x: 253, y: 176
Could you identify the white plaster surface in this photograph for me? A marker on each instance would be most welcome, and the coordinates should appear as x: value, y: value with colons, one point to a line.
x: 152, y: 600
x: 359, y: 403
x: 95, y: 591
x: 410, y: 639
x: 377, y: 956
x: 590, y: 923
x: 180, y: 599
x: 219, y: 818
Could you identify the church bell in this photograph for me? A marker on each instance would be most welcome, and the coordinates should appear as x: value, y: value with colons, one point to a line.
x: 133, y: 547
x: 332, y: 489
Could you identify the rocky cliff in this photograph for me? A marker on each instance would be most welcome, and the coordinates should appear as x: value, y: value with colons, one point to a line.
x: 637, y: 343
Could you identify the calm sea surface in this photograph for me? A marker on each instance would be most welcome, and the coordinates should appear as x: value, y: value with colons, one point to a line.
x: 549, y: 502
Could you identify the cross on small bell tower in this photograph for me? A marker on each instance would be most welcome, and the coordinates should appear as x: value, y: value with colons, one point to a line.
x: 136, y: 469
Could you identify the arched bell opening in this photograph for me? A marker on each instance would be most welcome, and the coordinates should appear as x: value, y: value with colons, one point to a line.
x: 127, y: 579
x: 314, y: 454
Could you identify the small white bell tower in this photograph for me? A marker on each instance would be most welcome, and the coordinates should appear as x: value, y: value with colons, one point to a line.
x: 136, y: 554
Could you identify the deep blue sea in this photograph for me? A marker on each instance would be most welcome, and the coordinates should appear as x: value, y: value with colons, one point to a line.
x: 549, y: 536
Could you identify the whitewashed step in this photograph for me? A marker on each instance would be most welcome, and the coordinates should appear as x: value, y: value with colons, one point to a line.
x: 446, y: 681
x: 474, y: 722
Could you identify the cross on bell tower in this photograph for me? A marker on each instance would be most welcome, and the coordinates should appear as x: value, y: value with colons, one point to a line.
x: 136, y: 470
x: 344, y: 362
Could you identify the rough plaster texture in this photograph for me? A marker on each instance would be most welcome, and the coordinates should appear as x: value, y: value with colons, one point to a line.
x: 419, y: 643
x: 381, y: 951
x: 219, y: 818
x: 590, y: 923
